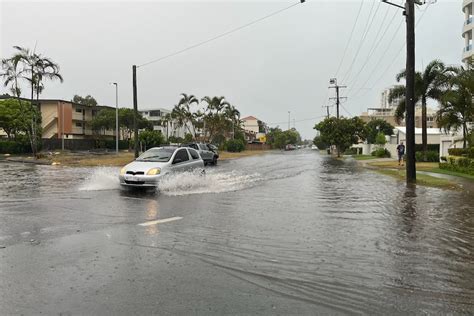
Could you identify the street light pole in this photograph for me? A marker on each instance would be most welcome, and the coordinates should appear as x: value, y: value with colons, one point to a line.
x: 289, y: 116
x: 116, y: 118
x: 135, y: 110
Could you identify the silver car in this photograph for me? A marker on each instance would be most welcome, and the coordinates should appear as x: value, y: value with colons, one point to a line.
x: 152, y: 165
x: 208, y: 154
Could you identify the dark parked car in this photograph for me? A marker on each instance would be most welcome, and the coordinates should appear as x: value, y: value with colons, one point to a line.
x: 208, y: 152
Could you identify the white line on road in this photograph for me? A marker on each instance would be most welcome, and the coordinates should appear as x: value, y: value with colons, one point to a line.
x: 161, y: 221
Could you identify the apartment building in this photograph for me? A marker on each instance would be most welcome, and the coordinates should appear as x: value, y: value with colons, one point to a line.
x: 61, y: 117
x: 467, y: 7
x: 166, y: 127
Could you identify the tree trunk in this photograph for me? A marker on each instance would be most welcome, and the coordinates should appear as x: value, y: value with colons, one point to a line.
x: 464, y: 135
x: 33, y: 119
x: 424, y: 130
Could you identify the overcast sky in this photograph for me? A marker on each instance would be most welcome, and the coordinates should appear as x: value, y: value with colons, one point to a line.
x: 280, y: 64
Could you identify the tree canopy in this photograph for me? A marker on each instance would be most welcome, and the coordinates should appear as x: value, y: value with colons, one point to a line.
x: 87, y: 100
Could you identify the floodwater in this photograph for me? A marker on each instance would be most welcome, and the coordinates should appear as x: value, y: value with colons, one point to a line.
x: 297, y: 232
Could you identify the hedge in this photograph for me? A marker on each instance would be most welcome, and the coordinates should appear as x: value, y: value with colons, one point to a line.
x: 458, y: 164
x: 235, y: 145
x: 381, y: 153
x: 466, y: 152
x: 431, y: 156
x: 12, y: 147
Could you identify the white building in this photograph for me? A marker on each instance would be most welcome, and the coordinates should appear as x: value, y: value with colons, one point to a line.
x: 250, y: 124
x: 157, y: 115
x: 467, y: 31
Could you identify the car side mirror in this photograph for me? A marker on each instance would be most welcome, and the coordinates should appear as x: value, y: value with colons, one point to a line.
x: 177, y: 160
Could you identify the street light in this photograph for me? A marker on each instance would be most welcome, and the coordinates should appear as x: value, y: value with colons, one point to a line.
x: 116, y: 118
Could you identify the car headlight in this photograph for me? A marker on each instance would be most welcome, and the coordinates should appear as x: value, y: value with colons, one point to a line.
x: 122, y: 171
x: 153, y: 172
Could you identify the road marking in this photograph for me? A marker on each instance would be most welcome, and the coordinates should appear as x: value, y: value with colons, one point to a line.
x: 161, y: 221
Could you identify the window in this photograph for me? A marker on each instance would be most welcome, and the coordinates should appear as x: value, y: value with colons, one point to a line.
x: 78, y: 110
x: 155, y: 113
x: 203, y: 147
x: 194, y: 154
x: 78, y: 124
x: 181, y: 155
x: 194, y: 146
x: 157, y: 154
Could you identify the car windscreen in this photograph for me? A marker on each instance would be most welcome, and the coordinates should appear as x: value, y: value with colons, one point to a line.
x: 158, y: 154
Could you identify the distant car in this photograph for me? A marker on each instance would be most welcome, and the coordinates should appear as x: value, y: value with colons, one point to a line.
x: 153, y: 164
x: 208, y: 152
x: 290, y: 147
x: 314, y: 147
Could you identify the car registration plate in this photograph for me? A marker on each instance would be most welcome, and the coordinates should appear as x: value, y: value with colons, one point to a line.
x: 131, y: 178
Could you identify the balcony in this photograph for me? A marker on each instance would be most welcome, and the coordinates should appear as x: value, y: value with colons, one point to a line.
x: 467, y: 52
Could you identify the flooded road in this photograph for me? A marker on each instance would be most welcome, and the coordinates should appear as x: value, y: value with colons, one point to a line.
x: 283, y: 233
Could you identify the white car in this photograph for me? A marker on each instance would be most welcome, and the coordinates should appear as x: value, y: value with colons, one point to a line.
x: 152, y: 165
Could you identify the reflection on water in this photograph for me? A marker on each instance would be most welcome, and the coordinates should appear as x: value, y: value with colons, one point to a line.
x: 320, y: 230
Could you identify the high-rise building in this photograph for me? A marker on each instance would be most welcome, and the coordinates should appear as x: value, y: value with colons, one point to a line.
x: 467, y: 6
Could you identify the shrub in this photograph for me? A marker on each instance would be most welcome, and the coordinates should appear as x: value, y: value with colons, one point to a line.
x: 380, y: 139
x: 381, y: 153
x: 431, y: 156
x: 460, y: 164
x: 457, y: 151
x: 235, y: 145
x: 14, y: 147
x: 443, y: 158
x: 351, y: 151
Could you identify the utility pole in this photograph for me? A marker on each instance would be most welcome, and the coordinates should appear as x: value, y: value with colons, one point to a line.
x: 338, y: 99
x: 409, y: 12
x: 135, y: 110
x: 327, y: 109
x: 410, y: 91
x: 289, y: 116
x: 116, y: 118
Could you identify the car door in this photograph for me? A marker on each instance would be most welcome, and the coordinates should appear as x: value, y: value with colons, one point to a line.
x: 205, y: 153
x: 196, y: 161
x: 180, y: 161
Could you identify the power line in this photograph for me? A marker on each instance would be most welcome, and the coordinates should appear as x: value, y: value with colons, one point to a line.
x: 375, y: 44
x: 220, y: 35
x: 368, y: 25
x: 296, y: 121
x: 393, y: 59
x: 350, y: 37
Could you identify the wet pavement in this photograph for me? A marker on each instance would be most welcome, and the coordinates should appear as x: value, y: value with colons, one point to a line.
x: 284, y: 233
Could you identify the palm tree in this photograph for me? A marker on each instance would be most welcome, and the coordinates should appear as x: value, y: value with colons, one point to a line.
x: 428, y: 85
x: 166, y: 120
x: 35, y: 69
x: 457, y: 108
x: 185, y: 103
x: 12, y: 74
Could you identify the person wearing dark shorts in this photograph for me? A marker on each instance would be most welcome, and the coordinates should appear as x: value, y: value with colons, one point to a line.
x: 401, y: 153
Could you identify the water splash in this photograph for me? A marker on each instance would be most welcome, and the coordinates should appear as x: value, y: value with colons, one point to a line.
x: 100, y: 179
x: 212, y: 182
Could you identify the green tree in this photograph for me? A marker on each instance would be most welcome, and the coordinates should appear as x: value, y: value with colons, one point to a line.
x: 126, y: 116
x: 87, y: 100
x: 15, y: 117
x: 35, y: 69
x: 151, y: 139
x: 380, y: 139
x: 342, y: 132
x: 457, y: 108
x: 373, y: 127
x: 320, y: 143
x: 103, y: 121
x: 428, y: 85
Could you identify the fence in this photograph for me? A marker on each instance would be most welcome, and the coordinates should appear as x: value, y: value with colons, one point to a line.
x: 257, y: 147
x: 81, y: 144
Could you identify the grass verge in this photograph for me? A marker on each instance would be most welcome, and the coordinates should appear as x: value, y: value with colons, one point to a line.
x: 74, y: 159
x: 421, y: 179
x: 364, y: 157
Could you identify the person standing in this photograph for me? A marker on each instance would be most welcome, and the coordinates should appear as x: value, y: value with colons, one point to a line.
x: 401, y: 153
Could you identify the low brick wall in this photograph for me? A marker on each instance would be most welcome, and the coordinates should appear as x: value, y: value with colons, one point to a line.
x: 257, y: 147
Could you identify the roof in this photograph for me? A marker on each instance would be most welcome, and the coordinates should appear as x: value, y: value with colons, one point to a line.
x: 249, y: 118
x: 418, y: 131
x: 6, y: 96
